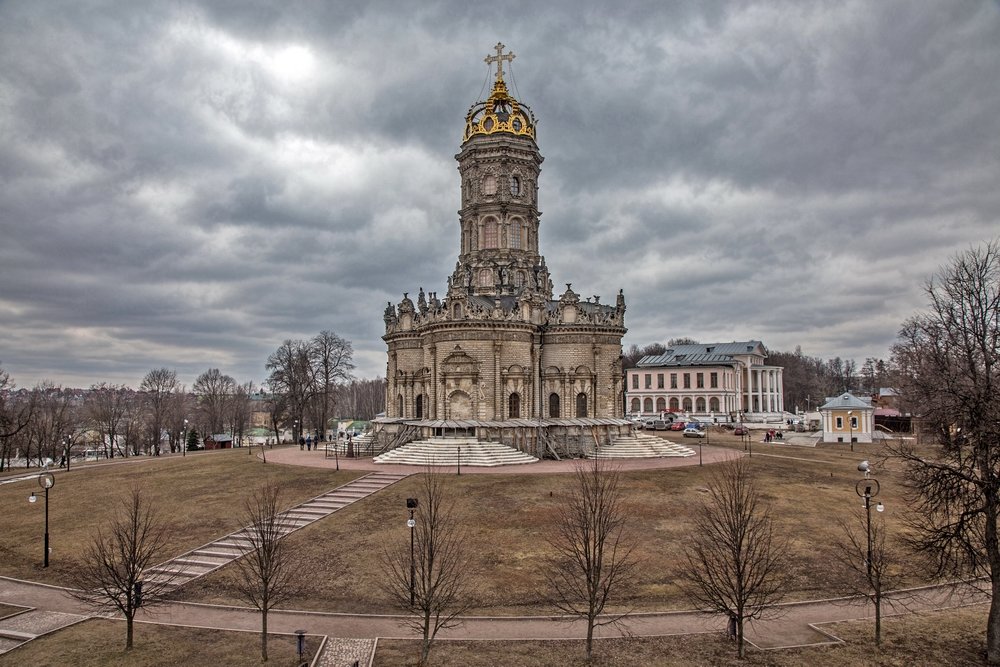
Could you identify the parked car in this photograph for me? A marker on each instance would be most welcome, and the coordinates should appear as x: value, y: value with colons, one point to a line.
x: 740, y: 430
x: 691, y: 432
x: 659, y: 425
x: 677, y: 426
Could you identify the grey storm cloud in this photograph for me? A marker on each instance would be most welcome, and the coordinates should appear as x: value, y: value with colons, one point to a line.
x: 188, y: 184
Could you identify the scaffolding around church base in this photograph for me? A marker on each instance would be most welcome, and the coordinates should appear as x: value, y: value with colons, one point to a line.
x: 541, y: 438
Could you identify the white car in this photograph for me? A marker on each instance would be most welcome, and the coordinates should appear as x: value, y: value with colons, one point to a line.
x: 692, y: 432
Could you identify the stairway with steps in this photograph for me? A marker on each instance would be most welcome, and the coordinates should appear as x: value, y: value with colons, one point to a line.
x: 445, y: 452
x: 640, y: 445
x: 22, y: 627
x: 209, y: 557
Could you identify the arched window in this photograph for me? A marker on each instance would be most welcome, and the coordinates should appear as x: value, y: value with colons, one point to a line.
x: 647, y: 406
x: 490, y: 185
x: 515, y: 234
x: 514, y: 406
x: 419, y: 406
x: 456, y: 312
x: 687, y: 405
x: 699, y: 405
x: 553, y: 405
x: 399, y: 405
x: 490, y: 234
x: 581, y: 405
x: 485, y: 277
x: 515, y: 186
x: 519, y: 279
x: 635, y: 406
x: 661, y: 404
x: 675, y: 405
x: 713, y: 404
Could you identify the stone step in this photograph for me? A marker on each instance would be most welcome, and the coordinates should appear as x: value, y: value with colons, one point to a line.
x: 192, y: 562
x: 640, y: 446
x: 224, y: 550
x: 16, y: 635
x: 171, y: 570
x: 207, y: 553
x: 445, y: 452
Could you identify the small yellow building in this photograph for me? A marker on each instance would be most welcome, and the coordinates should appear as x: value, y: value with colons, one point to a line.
x: 847, y: 418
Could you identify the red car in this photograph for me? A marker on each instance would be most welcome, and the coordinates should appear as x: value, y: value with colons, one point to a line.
x: 677, y: 426
x: 740, y: 430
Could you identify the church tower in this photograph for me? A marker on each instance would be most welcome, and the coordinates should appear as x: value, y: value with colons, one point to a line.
x: 499, y: 166
x: 501, y: 348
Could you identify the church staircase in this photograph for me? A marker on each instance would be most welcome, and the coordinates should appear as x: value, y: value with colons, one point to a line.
x: 444, y: 451
x: 209, y: 557
x: 639, y: 446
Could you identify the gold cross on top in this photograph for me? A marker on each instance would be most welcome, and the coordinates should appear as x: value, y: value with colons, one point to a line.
x: 498, y: 59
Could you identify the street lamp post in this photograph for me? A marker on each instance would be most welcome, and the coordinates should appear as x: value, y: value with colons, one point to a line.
x: 68, y: 449
x: 46, y: 480
x: 411, y: 504
x: 850, y: 422
x: 184, y: 442
x: 868, y: 488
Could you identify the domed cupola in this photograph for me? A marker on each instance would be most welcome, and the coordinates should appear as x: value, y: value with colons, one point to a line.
x: 500, y: 112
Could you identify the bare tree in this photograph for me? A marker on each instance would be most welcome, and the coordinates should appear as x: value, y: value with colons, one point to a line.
x: 52, y: 419
x: 440, y: 565
x: 240, y: 409
x: 16, y: 412
x: 362, y: 399
x: 736, y: 563
x: 111, y: 575
x: 947, y: 361
x: 106, y: 406
x: 177, y: 410
x: 269, y: 572
x: 866, y: 573
x: 214, y: 391
x: 157, y: 388
x: 592, y: 550
x: 292, y: 377
x: 331, y: 358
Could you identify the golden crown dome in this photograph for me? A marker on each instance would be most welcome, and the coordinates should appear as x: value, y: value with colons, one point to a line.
x: 500, y: 112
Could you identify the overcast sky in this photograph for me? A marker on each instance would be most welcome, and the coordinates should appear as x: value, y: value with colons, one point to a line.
x: 187, y: 184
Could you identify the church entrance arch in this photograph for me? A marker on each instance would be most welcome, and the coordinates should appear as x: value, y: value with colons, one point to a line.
x: 460, y: 406
x: 581, y: 405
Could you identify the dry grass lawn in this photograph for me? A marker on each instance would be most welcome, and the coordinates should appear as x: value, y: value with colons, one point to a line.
x: 510, y: 516
x: 199, y: 495
x: 99, y: 643
x: 950, y: 637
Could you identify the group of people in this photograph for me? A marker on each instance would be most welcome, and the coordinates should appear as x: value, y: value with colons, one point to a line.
x: 773, y: 435
x: 307, y: 441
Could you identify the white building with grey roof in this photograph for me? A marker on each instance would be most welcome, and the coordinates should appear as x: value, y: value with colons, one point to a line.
x: 722, y: 381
